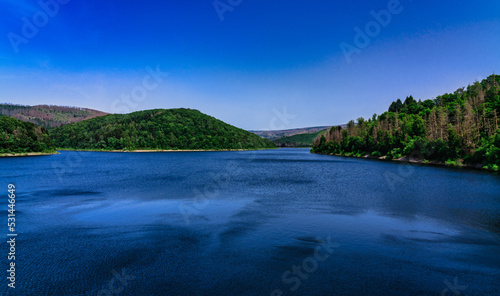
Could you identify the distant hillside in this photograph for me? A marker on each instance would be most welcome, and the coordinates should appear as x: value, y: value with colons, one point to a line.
x: 49, y: 116
x: 275, y: 134
x: 298, y: 140
x: 156, y: 129
x: 17, y: 136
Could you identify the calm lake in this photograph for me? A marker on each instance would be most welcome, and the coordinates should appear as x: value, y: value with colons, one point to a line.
x: 273, y: 222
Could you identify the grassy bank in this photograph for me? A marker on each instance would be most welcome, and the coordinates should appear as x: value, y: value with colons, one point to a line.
x: 406, y: 159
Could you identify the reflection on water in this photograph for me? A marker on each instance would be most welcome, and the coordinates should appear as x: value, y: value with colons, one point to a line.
x: 250, y: 223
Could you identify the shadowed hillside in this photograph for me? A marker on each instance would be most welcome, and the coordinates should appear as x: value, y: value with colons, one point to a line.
x: 298, y: 140
x: 17, y: 136
x: 276, y: 134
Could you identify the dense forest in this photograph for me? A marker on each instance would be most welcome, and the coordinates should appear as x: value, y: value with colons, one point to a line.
x: 456, y: 128
x: 17, y: 136
x: 156, y: 129
x: 49, y: 116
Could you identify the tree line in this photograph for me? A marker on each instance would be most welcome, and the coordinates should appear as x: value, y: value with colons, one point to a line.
x: 156, y: 129
x: 456, y: 128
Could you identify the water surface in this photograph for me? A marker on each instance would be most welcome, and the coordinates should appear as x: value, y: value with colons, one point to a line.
x: 282, y: 222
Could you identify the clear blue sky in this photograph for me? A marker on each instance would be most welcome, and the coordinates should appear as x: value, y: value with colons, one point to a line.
x: 246, y: 62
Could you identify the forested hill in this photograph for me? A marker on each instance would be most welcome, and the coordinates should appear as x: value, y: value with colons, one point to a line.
x: 17, y: 136
x: 456, y: 128
x: 47, y: 115
x: 276, y: 134
x: 298, y: 140
x: 156, y: 129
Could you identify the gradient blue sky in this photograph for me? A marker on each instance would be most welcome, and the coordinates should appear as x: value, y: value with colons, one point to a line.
x: 264, y: 57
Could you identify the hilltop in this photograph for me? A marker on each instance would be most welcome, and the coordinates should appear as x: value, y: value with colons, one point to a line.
x: 49, y: 116
x: 157, y: 129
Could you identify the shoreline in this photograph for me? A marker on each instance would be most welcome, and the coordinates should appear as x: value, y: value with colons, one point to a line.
x: 406, y: 159
x: 162, y: 150
x: 27, y: 154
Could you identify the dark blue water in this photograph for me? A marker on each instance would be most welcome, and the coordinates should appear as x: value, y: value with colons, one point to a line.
x: 277, y: 222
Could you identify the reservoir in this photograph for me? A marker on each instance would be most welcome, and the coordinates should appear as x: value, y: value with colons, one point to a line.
x: 268, y: 222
